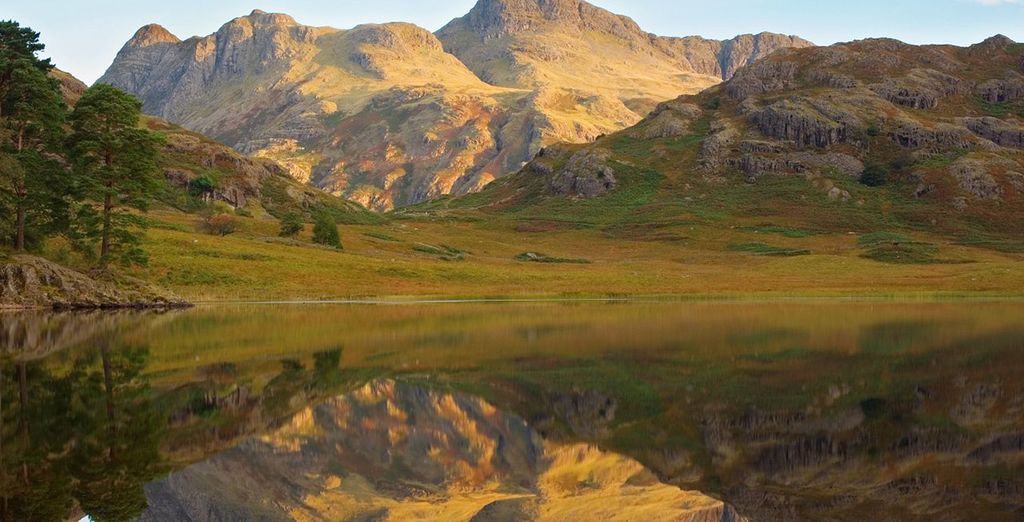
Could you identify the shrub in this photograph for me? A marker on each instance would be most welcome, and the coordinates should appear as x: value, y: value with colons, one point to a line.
x: 291, y: 224
x: 218, y: 220
x: 325, y: 231
x: 220, y: 224
x: 875, y: 176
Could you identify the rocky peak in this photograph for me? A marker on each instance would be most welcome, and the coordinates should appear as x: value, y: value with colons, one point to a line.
x: 258, y: 17
x: 995, y: 42
x: 495, y: 18
x: 397, y: 36
x: 748, y: 48
x: 152, y: 34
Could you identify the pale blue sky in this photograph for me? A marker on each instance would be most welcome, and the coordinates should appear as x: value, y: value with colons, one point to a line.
x: 82, y: 36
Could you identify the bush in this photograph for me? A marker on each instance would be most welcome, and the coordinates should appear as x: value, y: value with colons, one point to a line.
x: 875, y: 176
x: 218, y: 220
x: 291, y: 224
x: 325, y: 231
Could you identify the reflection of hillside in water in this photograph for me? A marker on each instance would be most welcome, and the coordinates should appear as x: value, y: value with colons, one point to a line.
x: 37, y: 334
x: 397, y: 451
x: 856, y: 412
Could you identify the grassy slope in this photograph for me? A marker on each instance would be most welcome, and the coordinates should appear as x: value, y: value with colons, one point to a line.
x: 665, y: 231
x: 691, y: 259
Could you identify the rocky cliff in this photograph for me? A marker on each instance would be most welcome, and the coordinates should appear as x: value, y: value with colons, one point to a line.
x: 386, y: 116
x: 874, y: 133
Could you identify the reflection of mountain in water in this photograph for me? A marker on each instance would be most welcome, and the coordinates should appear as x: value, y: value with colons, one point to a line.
x: 395, y: 451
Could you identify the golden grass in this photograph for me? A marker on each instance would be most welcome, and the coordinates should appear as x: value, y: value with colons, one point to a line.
x: 255, y: 265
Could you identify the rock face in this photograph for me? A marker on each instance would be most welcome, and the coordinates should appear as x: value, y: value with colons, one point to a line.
x: 33, y: 282
x: 385, y: 116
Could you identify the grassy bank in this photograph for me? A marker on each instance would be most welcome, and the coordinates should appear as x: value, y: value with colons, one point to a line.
x: 465, y: 258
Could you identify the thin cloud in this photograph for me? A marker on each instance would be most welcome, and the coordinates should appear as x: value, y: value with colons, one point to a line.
x: 997, y: 2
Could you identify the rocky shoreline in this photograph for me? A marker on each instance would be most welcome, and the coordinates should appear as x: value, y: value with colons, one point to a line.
x: 33, y: 283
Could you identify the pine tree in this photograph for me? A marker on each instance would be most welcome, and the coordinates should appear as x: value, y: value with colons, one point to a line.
x: 116, y: 163
x: 31, y: 117
x: 291, y: 224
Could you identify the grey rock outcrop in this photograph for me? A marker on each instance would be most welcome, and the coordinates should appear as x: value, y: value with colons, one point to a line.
x: 997, y: 131
x: 1001, y: 91
x: 909, y: 134
x: 586, y: 174
x: 763, y: 77
x: 921, y: 89
x: 802, y: 122
x: 974, y: 178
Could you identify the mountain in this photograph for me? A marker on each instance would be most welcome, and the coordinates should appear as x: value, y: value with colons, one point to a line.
x: 386, y: 116
x: 245, y: 183
x: 863, y: 136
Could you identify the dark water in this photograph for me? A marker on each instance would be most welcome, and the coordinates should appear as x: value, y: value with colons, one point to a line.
x: 516, y: 411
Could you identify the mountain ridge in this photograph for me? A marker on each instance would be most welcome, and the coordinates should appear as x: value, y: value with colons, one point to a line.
x: 382, y: 114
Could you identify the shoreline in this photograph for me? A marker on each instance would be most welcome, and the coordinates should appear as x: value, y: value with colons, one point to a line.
x: 632, y: 299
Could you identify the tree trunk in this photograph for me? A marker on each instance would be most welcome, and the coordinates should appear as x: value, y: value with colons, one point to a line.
x: 23, y: 418
x: 19, y: 235
x: 108, y: 205
x: 108, y: 209
x: 23, y: 397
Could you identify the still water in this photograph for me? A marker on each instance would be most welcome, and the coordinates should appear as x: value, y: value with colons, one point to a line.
x: 516, y: 411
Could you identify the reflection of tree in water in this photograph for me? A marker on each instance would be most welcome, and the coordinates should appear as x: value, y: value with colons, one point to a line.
x: 34, y: 476
x: 82, y: 430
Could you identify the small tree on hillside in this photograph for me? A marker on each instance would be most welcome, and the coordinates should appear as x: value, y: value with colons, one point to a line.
x: 291, y: 224
x: 325, y: 231
x: 116, y: 162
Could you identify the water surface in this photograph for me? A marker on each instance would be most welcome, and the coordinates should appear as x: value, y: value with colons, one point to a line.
x: 516, y: 411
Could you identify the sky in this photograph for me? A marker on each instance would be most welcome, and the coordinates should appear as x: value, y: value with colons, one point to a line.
x: 83, y: 36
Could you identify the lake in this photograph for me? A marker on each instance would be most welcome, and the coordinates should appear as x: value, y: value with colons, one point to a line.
x: 587, y: 410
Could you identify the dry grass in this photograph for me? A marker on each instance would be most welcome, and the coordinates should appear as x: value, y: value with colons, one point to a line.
x: 255, y: 265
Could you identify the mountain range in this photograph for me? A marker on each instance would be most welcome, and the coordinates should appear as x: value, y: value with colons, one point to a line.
x: 390, y: 115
